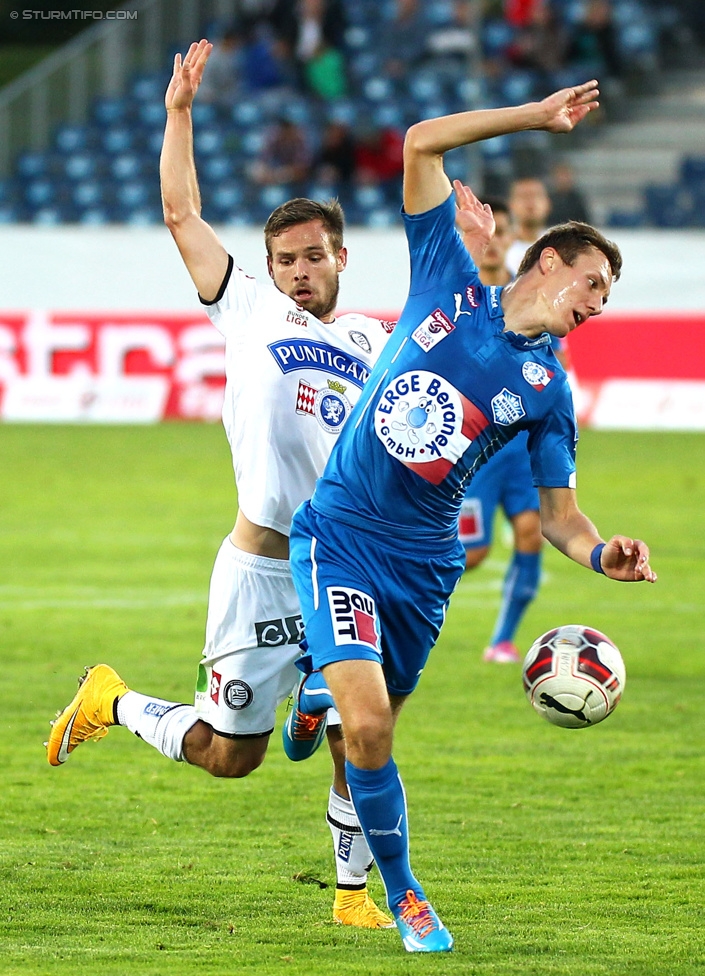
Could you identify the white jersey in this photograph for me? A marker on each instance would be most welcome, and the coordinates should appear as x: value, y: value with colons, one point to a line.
x: 291, y: 382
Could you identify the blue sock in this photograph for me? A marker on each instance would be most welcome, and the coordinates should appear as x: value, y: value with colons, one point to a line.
x: 521, y: 584
x: 380, y: 804
x: 315, y: 697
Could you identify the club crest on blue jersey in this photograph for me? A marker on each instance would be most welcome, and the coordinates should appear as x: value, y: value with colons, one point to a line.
x: 328, y: 405
x: 507, y: 407
x: 434, y: 327
x: 536, y: 375
x: 424, y: 422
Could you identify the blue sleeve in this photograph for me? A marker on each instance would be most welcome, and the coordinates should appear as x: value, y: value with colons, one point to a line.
x: 436, y: 249
x: 552, y: 444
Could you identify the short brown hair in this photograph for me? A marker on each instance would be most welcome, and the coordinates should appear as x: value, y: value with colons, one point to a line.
x: 570, y: 240
x: 301, y: 210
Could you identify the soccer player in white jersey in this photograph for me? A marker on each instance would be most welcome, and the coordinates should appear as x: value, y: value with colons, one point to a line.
x: 294, y: 372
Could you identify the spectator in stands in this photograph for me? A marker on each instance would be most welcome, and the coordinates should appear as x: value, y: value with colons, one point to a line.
x: 335, y: 162
x: 567, y: 201
x: 265, y: 63
x: 541, y: 45
x: 285, y: 158
x: 379, y: 155
x: 529, y: 205
x: 312, y: 30
x: 594, y: 40
x: 223, y: 83
x: 520, y: 13
x: 449, y: 44
x: 403, y: 41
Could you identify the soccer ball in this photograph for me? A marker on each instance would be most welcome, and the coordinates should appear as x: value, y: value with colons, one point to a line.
x: 574, y: 676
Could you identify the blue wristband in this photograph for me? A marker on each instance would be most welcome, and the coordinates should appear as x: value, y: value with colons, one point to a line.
x: 595, y: 558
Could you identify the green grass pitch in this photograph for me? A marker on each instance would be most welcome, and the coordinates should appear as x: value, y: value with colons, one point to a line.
x: 546, y: 851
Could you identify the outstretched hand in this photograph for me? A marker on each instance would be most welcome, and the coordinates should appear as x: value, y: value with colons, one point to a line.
x: 187, y: 76
x: 474, y: 219
x: 565, y: 108
x: 627, y: 560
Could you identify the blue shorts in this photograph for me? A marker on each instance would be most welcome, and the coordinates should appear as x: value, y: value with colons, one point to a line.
x: 366, y: 596
x: 505, y: 479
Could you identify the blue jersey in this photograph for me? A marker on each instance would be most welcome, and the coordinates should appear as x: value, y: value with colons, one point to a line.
x: 450, y: 389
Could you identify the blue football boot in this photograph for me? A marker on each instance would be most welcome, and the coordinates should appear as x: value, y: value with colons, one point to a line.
x: 420, y: 928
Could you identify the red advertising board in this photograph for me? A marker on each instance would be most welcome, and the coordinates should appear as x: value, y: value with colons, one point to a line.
x: 632, y: 369
x: 111, y: 368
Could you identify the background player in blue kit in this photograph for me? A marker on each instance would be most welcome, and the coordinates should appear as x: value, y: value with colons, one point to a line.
x: 375, y: 553
x: 506, y: 479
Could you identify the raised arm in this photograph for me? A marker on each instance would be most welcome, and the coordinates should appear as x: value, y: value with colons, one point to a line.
x: 425, y: 182
x: 204, y: 256
x: 566, y: 528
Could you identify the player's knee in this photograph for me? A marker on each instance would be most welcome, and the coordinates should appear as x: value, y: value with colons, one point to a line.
x: 473, y: 557
x: 221, y: 756
x: 233, y: 766
x: 527, y: 532
x: 368, y: 740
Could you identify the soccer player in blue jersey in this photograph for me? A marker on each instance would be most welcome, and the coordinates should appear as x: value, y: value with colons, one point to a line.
x: 506, y: 479
x: 375, y: 553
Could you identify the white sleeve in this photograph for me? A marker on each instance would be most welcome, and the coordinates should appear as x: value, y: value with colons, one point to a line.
x: 234, y: 301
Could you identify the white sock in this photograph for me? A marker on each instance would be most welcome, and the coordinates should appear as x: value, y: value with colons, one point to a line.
x: 353, y: 858
x: 163, y: 724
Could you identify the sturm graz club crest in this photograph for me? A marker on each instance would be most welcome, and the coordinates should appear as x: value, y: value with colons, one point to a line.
x: 237, y: 694
x: 329, y: 405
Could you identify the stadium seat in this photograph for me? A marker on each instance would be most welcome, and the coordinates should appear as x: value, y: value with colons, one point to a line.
x: 378, y: 89
x: 668, y: 206
x: 50, y: 216
x: 110, y: 111
x: 32, y: 164
x: 692, y: 171
x: 247, y: 113
x: 151, y: 113
x: 89, y: 193
x: 95, y: 216
x: 274, y: 195
x: 40, y: 193
x: 225, y: 197
x: 208, y: 140
x: 216, y: 168
x: 149, y: 88
x: 380, y: 217
x: 389, y: 115
x: 133, y: 194
x: 118, y: 139
x: 143, y: 216
x: 127, y: 166
x: 10, y: 213
x: 203, y: 113
x: 71, y: 138
x: 80, y: 166
x: 626, y: 219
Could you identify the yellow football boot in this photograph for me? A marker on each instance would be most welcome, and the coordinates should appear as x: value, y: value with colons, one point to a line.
x: 89, y: 715
x: 357, y: 908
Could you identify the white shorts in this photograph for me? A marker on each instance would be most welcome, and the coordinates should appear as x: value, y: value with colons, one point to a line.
x: 253, y: 632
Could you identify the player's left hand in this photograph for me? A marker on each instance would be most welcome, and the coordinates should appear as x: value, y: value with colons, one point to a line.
x: 627, y: 560
x: 565, y: 108
x: 473, y: 218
